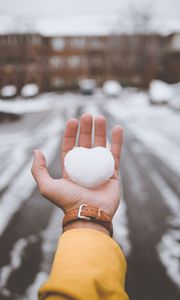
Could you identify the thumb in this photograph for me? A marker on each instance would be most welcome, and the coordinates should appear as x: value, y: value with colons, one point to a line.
x: 40, y: 172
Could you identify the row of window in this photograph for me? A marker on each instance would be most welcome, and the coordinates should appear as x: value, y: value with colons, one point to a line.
x: 119, y: 42
x: 14, y: 40
x: 75, y: 61
x: 59, y: 43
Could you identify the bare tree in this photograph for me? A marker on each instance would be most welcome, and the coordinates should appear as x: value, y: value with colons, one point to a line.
x: 139, y: 44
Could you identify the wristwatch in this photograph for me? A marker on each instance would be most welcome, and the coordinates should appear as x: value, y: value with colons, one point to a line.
x: 90, y: 214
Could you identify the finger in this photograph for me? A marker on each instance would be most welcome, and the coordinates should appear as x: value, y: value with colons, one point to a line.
x: 116, y: 144
x: 85, y: 131
x: 100, y: 131
x: 69, y: 139
x: 40, y: 172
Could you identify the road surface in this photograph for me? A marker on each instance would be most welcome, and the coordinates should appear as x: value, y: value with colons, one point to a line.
x: 147, y: 224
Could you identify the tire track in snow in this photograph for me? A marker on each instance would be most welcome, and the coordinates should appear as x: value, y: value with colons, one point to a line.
x: 17, y: 255
x: 54, y: 134
x: 139, y: 175
x: 168, y: 248
x: 14, y: 197
x: 147, y: 221
x: 49, y: 244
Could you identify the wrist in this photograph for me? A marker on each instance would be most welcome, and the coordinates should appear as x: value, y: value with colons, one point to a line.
x: 86, y: 224
x: 86, y: 216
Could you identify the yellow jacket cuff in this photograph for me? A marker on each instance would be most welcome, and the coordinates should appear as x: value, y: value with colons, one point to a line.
x: 88, y: 265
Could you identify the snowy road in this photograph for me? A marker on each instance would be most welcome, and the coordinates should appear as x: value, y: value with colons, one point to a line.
x: 147, y: 225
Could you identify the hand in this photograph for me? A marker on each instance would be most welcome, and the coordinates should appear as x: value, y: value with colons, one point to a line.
x: 66, y: 194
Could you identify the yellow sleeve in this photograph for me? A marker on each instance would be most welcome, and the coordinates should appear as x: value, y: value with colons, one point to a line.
x: 88, y: 265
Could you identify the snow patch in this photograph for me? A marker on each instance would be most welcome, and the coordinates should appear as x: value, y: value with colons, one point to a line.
x: 32, y: 291
x: 50, y: 237
x: 169, y: 253
x: 29, y: 90
x: 168, y: 248
x: 13, y: 198
x: 21, y: 106
x: 144, y: 123
x: 8, y: 91
x: 160, y: 91
x: 112, y: 88
x: 16, y: 256
x: 120, y: 224
x: 9, y: 172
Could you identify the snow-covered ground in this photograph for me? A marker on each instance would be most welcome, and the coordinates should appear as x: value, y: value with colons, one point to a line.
x: 16, y: 182
x: 156, y: 128
x: 21, y: 106
x: 6, y: 205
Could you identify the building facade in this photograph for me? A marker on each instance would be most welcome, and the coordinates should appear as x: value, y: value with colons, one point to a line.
x: 59, y: 62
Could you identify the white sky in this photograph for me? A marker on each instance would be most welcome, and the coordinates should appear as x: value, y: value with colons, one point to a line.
x: 57, y: 7
x: 87, y: 14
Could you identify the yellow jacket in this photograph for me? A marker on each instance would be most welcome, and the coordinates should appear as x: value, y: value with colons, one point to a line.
x: 88, y: 265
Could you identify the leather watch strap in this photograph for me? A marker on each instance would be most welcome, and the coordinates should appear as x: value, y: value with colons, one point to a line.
x: 88, y: 213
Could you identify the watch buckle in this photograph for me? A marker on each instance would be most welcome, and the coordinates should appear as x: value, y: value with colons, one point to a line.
x: 80, y: 211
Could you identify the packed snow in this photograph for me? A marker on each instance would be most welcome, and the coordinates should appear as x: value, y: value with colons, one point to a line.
x: 175, y: 102
x: 21, y: 106
x: 89, y: 167
x: 156, y: 132
x: 160, y: 92
x: 29, y: 90
x: 112, y: 88
x: 8, y: 91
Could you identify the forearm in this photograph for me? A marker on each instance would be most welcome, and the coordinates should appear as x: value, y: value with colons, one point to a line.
x: 88, y: 265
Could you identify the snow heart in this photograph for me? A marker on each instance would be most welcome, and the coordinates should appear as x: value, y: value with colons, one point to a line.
x: 89, y: 167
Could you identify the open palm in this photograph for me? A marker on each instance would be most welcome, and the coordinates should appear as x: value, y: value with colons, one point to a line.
x: 66, y: 194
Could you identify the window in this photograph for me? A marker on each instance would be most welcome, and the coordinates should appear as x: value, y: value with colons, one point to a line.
x: 77, y: 43
x: 58, y: 43
x: 176, y: 42
x: 96, y: 43
x: 56, y: 62
x: 74, y: 61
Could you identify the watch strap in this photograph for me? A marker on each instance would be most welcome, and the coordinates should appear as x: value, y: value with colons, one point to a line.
x: 88, y: 213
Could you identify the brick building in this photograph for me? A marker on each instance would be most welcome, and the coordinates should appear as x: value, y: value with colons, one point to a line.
x: 21, y: 60
x: 58, y: 62
x: 76, y: 57
x: 170, y: 60
x: 132, y: 60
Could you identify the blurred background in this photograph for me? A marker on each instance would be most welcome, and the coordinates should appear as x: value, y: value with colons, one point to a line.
x: 59, y: 59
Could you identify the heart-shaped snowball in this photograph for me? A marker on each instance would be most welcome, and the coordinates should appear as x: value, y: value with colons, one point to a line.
x: 89, y: 167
